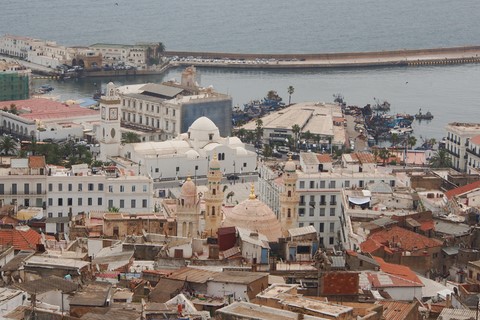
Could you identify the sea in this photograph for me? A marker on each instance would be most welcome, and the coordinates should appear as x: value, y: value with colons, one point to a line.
x: 450, y: 93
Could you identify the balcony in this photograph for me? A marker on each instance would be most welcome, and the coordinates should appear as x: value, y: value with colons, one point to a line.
x: 323, y: 203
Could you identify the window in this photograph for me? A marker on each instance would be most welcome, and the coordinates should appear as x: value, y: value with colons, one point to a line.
x: 69, y: 202
x: 90, y: 187
x: 360, y: 183
x: 26, y: 188
x: 311, y: 212
x: 50, y: 201
x: 133, y: 203
x: 39, y: 188
x: 122, y: 189
x: 110, y: 188
x: 300, y: 224
x: 301, y: 212
x: 301, y: 185
x: 144, y: 188
x: 122, y: 203
x: 70, y: 187
x: 2, y: 188
x: 302, y: 200
x: 322, y: 184
x: 60, y: 214
x: 80, y: 201
x: 133, y: 188
x: 99, y: 201
x: 80, y: 187
x: 322, y: 201
x: 332, y: 226
x: 100, y: 187
x: 332, y: 185
x: 60, y: 187
x: 110, y: 203
x: 331, y: 240
x: 50, y: 214
x: 60, y: 201
x: 312, y: 184
x: 347, y: 184
x: 322, y: 212
x: 332, y: 212
x: 50, y: 187
x: 144, y: 203
x: 333, y: 200
x: 322, y: 227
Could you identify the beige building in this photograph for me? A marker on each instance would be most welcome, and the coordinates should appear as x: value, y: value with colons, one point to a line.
x: 213, y: 198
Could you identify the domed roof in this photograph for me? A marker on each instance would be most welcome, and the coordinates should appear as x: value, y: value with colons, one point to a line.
x: 203, y: 129
x: 241, y: 151
x: 189, y: 188
x: 290, y: 166
x: 254, y: 215
x: 214, y: 163
x: 192, y: 154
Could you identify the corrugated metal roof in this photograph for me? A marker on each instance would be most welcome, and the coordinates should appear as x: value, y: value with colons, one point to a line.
x: 161, y: 89
x: 192, y: 275
x: 295, y: 232
x: 396, y: 310
x: 457, y: 314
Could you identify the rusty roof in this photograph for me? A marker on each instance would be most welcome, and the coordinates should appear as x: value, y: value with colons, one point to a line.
x: 36, y: 161
x: 461, y: 190
x: 192, y: 275
x: 340, y: 283
x: 396, y: 310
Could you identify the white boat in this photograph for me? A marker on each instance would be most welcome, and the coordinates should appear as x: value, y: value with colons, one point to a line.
x: 401, y: 131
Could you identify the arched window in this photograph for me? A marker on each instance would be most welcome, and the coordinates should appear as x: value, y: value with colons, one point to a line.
x: 289, y: 193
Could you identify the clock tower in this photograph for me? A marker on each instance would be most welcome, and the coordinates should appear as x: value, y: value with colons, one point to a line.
x: 109, y: 135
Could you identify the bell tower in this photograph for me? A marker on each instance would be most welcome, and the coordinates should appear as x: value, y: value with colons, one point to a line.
x: 213, y: 198
x: 289, y: 198
x: 188, y: 211
x: 109, y: 135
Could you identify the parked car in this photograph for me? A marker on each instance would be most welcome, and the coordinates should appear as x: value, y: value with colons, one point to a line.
x: 233, y: 177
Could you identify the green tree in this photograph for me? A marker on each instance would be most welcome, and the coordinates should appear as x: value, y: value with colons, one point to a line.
x: 8, y: 146
x: 384, y: 154
x: 411, y: 141
x: 241, y: 133
x: 113, y: 209
x: 267, y: 151
x: 296, y: 135
x: 441, y: 159
x: 130, y: 137
x: 395, y: 139
x: 290, y: 91
x: 259, y: 130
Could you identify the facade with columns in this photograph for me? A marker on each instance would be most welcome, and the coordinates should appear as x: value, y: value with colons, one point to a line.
x: 213, y: 198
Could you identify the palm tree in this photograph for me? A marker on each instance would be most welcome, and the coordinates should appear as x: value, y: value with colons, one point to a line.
x: 441, y: 159
x: 290, y: 91
x: 8, y: 146
x: 259, y: 129
x: 411, y: 141
x: 130, y: 137
x: 394, y: 139
x: 296, y: 135
x: 384, y: 154
x: 160, y: 49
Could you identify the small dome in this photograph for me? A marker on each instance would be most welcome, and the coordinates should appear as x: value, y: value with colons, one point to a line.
x: 241, y: 151
x: 254, y: 215
x: 214, y: 163
x: 290, y: 166
x: 192, y: 154
x: 189, y: 188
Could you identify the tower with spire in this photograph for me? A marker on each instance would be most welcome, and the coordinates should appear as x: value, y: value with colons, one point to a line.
x: 213, y: 198
x: 289, y: 198
x: 188, y: 211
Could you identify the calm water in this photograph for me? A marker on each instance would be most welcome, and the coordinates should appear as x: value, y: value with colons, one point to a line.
x: 450, y: 92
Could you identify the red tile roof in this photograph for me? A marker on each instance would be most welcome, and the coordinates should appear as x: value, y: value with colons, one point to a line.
x: 340, y: 283
x: 21, y: 238
x: 398, y: 270
x: 36, y: 162
x: 427, y: 225
x: 324, y: 158
x: 400, y: 239
x: 475, y: 140
x: 364, y: 157
x: 461, y: 190
x: 396, y: 310
x: 386, y: 280
x: 46, y: 109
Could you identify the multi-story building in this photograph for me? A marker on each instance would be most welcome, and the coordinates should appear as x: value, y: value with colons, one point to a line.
x: 158, y: 112
x: 15, y: 81
x: 320, y: 186
x: 458, y: 137
x: 473, y: 155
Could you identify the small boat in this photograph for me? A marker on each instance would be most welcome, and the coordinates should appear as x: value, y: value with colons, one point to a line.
x: 401, y: 131
x: 423, y: 116
x: 46, y: 88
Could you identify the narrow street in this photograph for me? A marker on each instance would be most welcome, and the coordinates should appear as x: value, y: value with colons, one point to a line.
x: 352, y: 135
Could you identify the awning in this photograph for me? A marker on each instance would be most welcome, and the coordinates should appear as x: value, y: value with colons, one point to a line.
x: 359, y: 200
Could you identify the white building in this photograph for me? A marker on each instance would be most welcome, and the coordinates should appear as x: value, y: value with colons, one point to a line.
x: 188, y: 154
x: 320, y: 186
x: 473, y: 155
x: 10, y: 299
x: 458, y: 137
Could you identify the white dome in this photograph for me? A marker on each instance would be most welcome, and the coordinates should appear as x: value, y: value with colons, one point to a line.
x: 192, y: 154
x: 241, y: 151
x: 203, y: 129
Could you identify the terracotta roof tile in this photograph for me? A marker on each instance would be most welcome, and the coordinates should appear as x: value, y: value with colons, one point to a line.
x: 402, y: 239
x: 475, y: 140
x: 461, y: 190
x: 427, y: 225
x: 398, y: 270
x: 397, y: 310
x: 20, y: 239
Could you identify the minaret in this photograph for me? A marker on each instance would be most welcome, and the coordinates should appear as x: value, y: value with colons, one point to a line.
x: 109, y: 135
x: 188, y: 213
x: 289, y: 198
x: 213, y: 198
